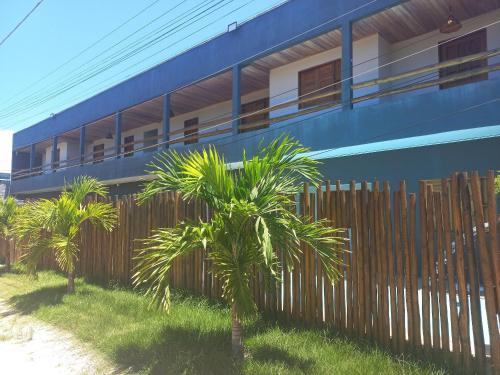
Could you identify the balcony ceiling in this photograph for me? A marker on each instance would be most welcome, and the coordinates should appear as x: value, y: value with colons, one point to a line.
x: 417, y: 17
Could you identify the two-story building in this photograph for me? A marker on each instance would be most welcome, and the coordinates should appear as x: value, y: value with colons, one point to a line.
x: 385, y: 89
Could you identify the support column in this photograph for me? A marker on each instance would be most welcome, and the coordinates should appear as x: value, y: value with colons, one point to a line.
x: 347, y: 65
x: 118, y: 134
x: 82, y: 145
x: 236, y: 98
x: 32, y: 157
x: 54, y: 156
x: 166, y: 121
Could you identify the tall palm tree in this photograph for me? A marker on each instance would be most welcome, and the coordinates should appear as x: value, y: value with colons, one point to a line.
x: 8, y: 210
x: 251, y: 218
x: 53, y: 225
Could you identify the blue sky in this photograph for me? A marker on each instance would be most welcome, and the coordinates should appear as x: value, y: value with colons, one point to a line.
x: 60, y: 29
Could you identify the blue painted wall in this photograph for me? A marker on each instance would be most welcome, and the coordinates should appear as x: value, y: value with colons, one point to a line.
x: 463, y: 107
x: 253, y: 39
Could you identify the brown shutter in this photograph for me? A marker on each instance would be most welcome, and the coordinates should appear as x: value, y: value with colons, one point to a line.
x: 128, y: 146
x: 190, y: 132
x: 314, y: 79
x: 253, y: 107
x: 460, y: 47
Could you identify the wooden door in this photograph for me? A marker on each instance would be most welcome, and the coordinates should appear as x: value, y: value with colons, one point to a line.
x: 320, y: 79
x: 460, y: 47
x: 258, y: 117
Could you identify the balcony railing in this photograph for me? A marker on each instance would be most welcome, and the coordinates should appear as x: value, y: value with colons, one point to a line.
x: 223, y: 125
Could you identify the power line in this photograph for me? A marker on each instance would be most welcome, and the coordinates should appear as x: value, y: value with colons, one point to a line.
x: 20, y: 22
x: 297, y: 122
x: 178, y: 41
x: 82, y: 51
x: 339, y: 82
x: 98, y: 67
x: 284, y: 42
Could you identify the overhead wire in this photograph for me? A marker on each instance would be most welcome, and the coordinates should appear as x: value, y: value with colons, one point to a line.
x: 108, y: 63
x: 18, y: 25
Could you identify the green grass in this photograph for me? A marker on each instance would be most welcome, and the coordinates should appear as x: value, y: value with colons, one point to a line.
x: 194, y: 338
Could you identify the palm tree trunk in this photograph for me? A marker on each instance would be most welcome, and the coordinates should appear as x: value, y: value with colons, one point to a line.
x: 236, y: 335
x: 71, y: 282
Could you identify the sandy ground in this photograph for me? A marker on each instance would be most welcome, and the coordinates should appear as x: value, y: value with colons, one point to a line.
x: 28, y: 346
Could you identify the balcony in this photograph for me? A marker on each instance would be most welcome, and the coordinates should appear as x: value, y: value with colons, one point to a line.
x: 399, y: 72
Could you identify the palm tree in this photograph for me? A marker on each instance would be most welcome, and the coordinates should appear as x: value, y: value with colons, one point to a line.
x: 8, y: 210
x: 252, y: 216
x: 54, y: 224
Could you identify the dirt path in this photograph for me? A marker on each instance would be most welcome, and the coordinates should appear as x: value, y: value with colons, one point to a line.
x: 28, y: 346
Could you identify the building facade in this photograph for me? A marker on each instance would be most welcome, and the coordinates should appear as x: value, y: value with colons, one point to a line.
x: 384, y: 89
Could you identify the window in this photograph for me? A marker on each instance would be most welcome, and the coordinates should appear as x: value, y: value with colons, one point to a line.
x: 150, y: 140
x: 98, y: 153
x: 254, y: 107
x: 460, y: 47
x: 128, y: 146
x: 191, y: 133
x: 314, y: 79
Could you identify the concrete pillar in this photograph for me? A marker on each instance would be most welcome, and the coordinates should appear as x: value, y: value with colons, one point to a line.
x: 236, y: 98
x: 118, y: 134
x: 347, y: 65
x: 32, y: 157
x: 166, y: 121
x: 54, y: 153
x: 82, y: 145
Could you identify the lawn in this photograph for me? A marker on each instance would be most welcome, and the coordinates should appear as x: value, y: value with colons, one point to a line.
x: 194, y: 338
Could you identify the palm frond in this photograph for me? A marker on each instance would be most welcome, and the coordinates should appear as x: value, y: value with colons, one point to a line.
x: 8, y: 210
x: 194, y: 174
x: 158, y: 252
x: 100, y: 214
x: 83, y: 186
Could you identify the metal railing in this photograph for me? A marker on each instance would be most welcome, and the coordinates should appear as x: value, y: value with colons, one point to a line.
x: 223, y: 125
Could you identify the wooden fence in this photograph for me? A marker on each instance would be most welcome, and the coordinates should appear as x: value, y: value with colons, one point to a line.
x: 421, y: 273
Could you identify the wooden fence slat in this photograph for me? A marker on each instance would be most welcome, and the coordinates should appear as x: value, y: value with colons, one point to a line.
x: 463, y: 318
x: 366, y: 256
x: 432, y: 268
x: 492, y: 231
x: 487, y: 273
x: 450, y: 270
x: 425, y: 270
x: 391, y: 269
x: 399, y: 272
x: 474, y: 299
x: 443, y: 305
x: 415, y: 304
x: 406, y: 262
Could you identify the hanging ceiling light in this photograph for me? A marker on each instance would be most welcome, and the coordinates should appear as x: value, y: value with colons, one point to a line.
x: 451, y: 25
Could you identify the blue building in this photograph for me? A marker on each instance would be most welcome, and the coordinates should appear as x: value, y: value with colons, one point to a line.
x: 384, y: 89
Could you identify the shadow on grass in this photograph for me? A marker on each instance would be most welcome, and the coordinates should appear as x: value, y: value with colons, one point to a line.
x: 188, y: 351
x: 30, y: 302
x: 270, y: 354
x: 180, y: 350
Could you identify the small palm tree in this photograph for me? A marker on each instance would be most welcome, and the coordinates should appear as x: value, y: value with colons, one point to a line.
x: 251, y: 218
x: 54, y: 224
x: 8, y: 210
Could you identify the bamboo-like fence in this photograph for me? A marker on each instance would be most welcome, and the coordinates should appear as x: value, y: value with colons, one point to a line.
x: 421, y: 273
